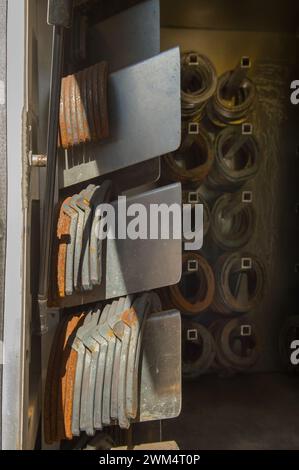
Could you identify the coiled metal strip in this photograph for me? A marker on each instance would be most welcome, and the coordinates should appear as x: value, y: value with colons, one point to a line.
x: 198, y: 84
x: 193, y: 160
x: 239, y: 288
x: 198, y: 350
x: 199, y: 200
x: 237, y: 160
x: 232, y: 231
x: 204, y: 286
x: 234, y: 110
x: 236, y: 344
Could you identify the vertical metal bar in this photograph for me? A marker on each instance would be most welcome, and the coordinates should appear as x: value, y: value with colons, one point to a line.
x: 3, y: 183
x: 47, y: 227
x: 13, y: 369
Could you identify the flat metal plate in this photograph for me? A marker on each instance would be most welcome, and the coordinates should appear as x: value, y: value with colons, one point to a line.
x: 127, y: 178
x: 159, y: 261
x: 145, y: 121
x: 127, y: 38
x: 160, y: 382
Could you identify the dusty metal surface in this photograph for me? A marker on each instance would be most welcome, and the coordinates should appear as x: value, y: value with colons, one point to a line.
x: 128, y: 37
x: 126, y: 179
x: 136, y: 114
x: 160, y: 389
x: 121, y: 260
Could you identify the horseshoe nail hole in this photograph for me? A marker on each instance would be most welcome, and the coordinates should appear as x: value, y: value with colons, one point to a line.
x: 193, y: 128
x: 297, y: 208
x: 193, y: 198
x: 247, y: 128
x: 246, y: 263
x: 297, y: 268
x: 192, y: 265
x: 192, y: 335
x: 193, y: 59
x: 246, y: 330
x: 245, y: 62
x: 247, y: 196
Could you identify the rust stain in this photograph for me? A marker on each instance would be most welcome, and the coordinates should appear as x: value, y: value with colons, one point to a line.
x: 83, y: 115
x: 63, y: 231
x: 129, y: 317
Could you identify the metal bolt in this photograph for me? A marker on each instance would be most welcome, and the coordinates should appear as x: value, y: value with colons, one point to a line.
x: 37, y: 160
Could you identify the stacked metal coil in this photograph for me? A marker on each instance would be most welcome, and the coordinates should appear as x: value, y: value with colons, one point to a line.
x: 83, y: 113
x: 240, y: 280
x: 93, y: 370
x: 237, y: 160
x: 192, y: 162
x: 232, y: 222
x: 198, y: 350
x: 198, y: 84
x: 78, y: 248
x: 236, y: 345
x: 194, y: 197
x: 195, y: 291
x: 231, y: 107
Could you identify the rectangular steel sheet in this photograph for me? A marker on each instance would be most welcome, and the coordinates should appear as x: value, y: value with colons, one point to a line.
x: 133, y: 266
x: 160, y: 378
x: 128, y: 37
x: 145, y: 121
